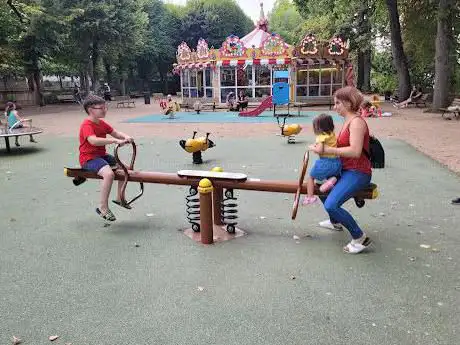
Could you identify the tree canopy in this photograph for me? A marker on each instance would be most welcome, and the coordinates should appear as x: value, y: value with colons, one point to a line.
x: 393, y: 44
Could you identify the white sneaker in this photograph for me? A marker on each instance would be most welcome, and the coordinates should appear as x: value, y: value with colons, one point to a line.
x: 328, y: 225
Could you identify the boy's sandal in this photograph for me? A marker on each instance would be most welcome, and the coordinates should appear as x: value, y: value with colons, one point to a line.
x: 355, y: 248
x: 108, y: 216
x: 122, y: 204
x: 78, y: 180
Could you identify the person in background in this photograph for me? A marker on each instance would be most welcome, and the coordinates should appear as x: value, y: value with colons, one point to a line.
x: 14, y: 121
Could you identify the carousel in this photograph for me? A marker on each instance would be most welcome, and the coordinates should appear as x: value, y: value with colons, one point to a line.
x: 313, y: 69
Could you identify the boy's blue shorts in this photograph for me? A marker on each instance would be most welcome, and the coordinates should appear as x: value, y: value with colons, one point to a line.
x: 325, y: 168
x: 97, y: 164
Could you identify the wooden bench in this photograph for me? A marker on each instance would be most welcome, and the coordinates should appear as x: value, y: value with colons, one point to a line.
x: 186, y: 104
x: 453, y: 108
x: 125, y: 100
x: 209, y: 105
x: 66, y: 98
x: 314, y: 101
x: 157, y: 97
x: 421, y: 101
x: 17, y: 132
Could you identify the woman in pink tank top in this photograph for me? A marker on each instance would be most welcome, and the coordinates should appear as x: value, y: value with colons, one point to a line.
x: 356, y: 167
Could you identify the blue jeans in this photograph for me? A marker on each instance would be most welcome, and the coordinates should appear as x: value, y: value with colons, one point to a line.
x: 349, y: 183
x: 325, y: 168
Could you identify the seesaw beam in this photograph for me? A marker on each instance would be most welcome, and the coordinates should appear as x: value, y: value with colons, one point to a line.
x: 210, y: 200
x: 274, y: 186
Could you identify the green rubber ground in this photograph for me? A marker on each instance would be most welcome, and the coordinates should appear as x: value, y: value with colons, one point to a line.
x: 142, y: 281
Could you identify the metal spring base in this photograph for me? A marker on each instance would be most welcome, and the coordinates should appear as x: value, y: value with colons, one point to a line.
x: 229, y: 212
x: 291, y: 139
x: 193, y: 209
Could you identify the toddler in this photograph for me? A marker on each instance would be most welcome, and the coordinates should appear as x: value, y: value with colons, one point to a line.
x: 327, y: 167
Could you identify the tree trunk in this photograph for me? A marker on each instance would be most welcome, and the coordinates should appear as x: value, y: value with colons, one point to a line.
x: 123, y: 86
x: 108, y: 71
x: 367, y: 56
x: 95, y: 58
x: 38, y: 89
x: 81, y: 78
x: 444, y: 50
x: 30, y: 82
x: 399, y: 57
x: 360, y: 72
x: 60, y: 82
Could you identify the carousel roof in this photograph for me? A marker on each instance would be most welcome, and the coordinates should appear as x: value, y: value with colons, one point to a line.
x: 256, y: 37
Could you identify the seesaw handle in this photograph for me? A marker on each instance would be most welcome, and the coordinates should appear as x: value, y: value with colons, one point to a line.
x: 125, y: 169
x: 303, y: 171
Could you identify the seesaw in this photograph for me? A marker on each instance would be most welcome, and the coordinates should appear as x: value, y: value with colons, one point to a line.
x: 213, y: 214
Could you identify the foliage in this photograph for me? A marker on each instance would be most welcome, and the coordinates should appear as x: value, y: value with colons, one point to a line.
x: 286, y: 21
x: 383, y: 74
x: 213, y: 20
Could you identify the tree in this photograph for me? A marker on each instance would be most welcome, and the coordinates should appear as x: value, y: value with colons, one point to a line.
x: 214, y: 20
x: 286, y: 21
x: 351, y: 19
x: 397, y: 49
x: 98, y: 28
x: 10, y: 57
x: 418, y: 27
x: 445, y: 52
x: 163, y: 36
x: 40, y: 28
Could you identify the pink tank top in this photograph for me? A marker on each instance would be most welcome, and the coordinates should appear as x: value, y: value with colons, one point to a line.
x: 362, y: 164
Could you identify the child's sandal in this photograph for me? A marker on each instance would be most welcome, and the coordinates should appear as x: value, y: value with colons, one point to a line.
x: 309, y: 200
x: 108, y: 216
x: 122, y: 204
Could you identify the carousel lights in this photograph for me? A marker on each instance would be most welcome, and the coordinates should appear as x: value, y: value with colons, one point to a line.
x: 336, y: 46
x: 309, y: 45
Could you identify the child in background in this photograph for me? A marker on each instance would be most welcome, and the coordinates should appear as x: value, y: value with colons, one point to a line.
x: 367, y: 109
x: 327, y: 167
x: 13, y: 120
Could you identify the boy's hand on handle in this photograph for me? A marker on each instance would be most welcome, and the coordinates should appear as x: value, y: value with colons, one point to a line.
x: 129, y: 139
x: 120, y: 142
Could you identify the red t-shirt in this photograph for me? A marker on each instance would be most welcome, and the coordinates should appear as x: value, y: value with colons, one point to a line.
x: 89, y: 128
x: 362, y: 164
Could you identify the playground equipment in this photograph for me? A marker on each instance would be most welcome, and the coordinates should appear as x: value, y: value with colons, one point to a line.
x: 196, y: 146
x: 211, y: 214
x: 15, y: 131
x: 281, y: 97
x: 266, y: 104
x: 290, y: 131
x: 311, y: 64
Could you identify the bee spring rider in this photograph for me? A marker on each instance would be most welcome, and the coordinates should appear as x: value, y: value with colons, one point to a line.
x: 290, y: 131
x: 281, y: 97
x: 196, y: 146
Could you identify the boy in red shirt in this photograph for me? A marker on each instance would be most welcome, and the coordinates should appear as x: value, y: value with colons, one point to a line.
x: 93, y: 156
